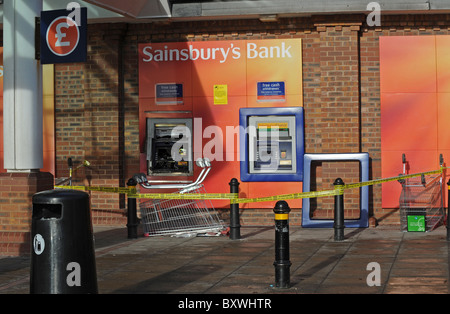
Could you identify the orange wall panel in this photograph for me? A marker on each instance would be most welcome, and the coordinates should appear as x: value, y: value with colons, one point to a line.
x: 408, y: 64
x: 151, y: 72
x: 443, y: 64
x: 263, y: 69
x: 237, y: 65
x: 1, y: 112
x: 408, y: 121
x: 227, y: 68
x: 443, y: 119
x: 415, y: 110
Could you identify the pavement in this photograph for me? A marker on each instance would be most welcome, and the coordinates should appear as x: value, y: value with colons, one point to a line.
x: 380, y: 260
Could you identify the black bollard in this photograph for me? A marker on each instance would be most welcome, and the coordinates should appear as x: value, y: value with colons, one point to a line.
x: 235, y: 226
x: 338, y: 213
x: 132, y: 219
x: 448, y: 213
x: 282, y: 263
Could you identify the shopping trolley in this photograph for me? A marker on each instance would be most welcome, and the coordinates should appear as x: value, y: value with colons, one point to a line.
x: 179, y: 216
x: 422, y: 201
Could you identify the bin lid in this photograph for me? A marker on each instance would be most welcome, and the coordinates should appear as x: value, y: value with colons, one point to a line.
x: 58, y: 196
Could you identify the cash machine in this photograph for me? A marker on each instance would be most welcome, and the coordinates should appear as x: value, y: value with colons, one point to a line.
x: 271, y: 144
x: 169, y: 146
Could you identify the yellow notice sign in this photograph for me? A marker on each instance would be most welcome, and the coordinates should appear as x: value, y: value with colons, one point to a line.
x: 220, y: 94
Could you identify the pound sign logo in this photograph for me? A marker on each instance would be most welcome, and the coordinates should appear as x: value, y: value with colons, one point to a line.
x: 62, y: 36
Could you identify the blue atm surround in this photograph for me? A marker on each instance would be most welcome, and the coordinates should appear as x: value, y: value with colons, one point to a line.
x: 363, y: 221
x: 244, y: 114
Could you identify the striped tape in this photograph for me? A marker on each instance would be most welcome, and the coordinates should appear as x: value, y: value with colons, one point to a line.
x: 288, y: 196
x: 121, y: 190
x: 132, y: 192
x: 234, y: 197
x: 379, y: 181
x: 188, y: 196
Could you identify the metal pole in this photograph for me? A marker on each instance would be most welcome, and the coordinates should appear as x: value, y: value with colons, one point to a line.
x: 339, y: 213
x: 235, y: 226
x: 132, y: 220
x: 282, y: 263
x: 70, y: 165
x: 22, y: 86
x: 448, y: 213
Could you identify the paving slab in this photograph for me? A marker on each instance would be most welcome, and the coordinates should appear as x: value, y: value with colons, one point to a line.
x: 405, y: 263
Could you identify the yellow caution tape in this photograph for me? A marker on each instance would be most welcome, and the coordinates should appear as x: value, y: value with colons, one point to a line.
x: 234, y: 197
x: 288, y: 196
x: 122, y: 190
x: 132, y: 192
x: 187, y: 196
x: 379, y: 181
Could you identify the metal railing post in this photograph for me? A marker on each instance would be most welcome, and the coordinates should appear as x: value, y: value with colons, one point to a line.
x: 132, y: 219
x: 235, y: 226
x: 448, y: 213
x: 282, y: 263
x: 338, y: 213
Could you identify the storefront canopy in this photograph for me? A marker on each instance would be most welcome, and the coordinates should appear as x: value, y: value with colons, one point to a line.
x: 100, y: 11
x: 139, y: 9
x: 216, y: 9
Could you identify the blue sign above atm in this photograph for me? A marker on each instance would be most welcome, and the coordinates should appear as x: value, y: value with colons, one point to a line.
x: 63, y: 36
x: 271, y: 91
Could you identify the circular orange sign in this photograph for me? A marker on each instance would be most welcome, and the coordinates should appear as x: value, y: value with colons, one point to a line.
x: 62, y: 36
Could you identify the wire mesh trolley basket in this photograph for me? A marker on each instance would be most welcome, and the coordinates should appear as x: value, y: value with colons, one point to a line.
x: 421, y: 201
x: 178, y: 216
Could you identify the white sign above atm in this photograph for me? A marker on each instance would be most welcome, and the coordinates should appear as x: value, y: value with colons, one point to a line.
x: 221, y: 54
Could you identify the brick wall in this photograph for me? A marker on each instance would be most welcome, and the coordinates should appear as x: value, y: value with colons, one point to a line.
x: 97, y: 102
x: 334, y: 123
x: 90, y: 121
x: 16, y: 191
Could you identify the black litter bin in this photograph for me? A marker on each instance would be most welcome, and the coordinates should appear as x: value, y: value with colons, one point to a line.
x: 62, y: 244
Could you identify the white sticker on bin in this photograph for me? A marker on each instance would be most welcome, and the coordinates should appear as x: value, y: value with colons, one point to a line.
x: 38, y: 244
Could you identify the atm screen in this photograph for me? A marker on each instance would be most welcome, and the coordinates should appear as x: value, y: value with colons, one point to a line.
x: 273, y: 146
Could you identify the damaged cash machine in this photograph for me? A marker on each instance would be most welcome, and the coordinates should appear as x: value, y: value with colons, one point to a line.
x: 169, y: 147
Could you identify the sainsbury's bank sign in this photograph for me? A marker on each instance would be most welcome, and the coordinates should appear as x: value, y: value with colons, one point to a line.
x: 239, y: 67
x: 220, y: 53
